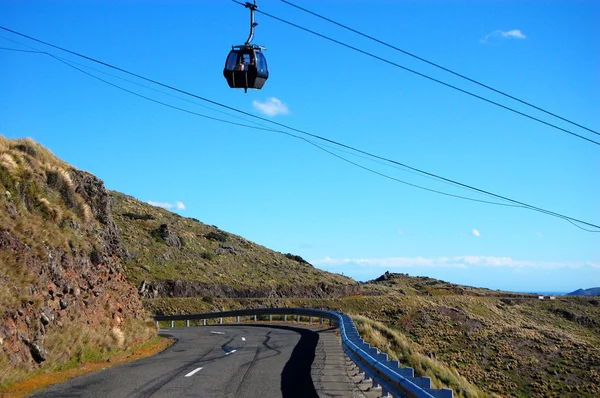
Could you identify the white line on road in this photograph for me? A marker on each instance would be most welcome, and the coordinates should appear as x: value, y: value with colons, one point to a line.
x: 192, y: 372
x: 230, y: 352
x: 243, y: 339
x: 217, y: 332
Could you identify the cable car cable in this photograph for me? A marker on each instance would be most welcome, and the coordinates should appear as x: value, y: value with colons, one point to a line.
x: 482, y: 191
x: 438, y: 66
x: 426, y: 76
x: 71, y: 64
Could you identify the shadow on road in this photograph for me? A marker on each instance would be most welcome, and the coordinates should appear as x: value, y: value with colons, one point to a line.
x: 296, y: 379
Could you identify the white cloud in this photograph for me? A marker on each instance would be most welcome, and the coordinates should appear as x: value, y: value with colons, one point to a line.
x: 271, y: 107
x: 476, y: 233
x: 451, y: 262
x: 169, y: 206
x: 499, y: 35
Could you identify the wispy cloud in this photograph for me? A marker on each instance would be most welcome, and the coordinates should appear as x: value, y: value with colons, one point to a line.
x: 169, y: 206
x: 476, y: 233
x: 271, y: 107
x: 500, y: 34
x: 451, y: 262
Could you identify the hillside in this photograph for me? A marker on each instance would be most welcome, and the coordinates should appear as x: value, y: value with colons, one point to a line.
x: 63, y: 295
x: 594, y: 291
x: 172, y: 256
x: 76, y: 261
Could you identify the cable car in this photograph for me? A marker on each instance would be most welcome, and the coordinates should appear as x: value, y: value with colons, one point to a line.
x: 246, y: 66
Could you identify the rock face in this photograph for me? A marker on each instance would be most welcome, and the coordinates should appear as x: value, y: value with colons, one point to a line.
x: 182, y: 288
x: 169, y: 236
x: 61, y: 282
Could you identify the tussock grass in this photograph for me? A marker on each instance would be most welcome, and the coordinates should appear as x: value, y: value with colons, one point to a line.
x: 398, y: 347
x: 53, y: 212
x: 8, y: 162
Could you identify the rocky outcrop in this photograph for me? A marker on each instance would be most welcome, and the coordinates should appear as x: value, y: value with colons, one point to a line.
x: 182, y: 288
x: 169, y: 236
x: 61, y: 286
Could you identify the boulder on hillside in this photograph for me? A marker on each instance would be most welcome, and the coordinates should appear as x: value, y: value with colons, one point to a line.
x: 169, y: 236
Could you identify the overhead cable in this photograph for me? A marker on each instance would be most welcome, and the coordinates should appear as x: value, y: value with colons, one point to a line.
x: 454, y: 182
x: 263, y: 128
x: 425, y: 76
x: 438, y: 66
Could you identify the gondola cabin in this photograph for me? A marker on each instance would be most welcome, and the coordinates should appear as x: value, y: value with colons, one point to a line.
x: 246, y: 67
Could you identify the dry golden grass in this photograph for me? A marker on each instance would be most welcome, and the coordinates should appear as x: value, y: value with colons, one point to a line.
x: 4, y: 144
x: 52, y: 211
x: 397, y: 346
x: 45, y: 378
x: 8, y: 162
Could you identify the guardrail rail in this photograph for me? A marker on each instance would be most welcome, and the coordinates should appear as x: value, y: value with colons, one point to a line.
x: 385, y: 374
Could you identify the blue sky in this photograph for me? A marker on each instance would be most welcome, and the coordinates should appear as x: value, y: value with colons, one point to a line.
x: 290, y: 196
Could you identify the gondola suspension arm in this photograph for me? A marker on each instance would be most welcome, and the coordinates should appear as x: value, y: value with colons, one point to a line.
x: 253, y: 24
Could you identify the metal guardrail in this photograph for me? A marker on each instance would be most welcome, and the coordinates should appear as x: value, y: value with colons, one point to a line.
x: 387, y: 375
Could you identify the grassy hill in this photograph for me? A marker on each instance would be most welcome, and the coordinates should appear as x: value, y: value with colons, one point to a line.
x: 172, y: 256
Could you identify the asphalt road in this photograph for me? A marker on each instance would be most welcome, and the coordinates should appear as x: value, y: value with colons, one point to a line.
x: 243, y: 361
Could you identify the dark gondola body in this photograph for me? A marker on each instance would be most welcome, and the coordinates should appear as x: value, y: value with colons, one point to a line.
x: 246, y: 67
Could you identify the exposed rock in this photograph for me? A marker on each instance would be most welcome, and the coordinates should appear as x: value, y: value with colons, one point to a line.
x: 228, y: 249
x: 44, y: 319
x: 55, y: 263
x: 63, y: 303
x: 37, y: 352
x: 169, y: 236
x: 182, y: 288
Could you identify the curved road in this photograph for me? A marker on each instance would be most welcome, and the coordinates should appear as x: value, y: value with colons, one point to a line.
x: 242, y: 361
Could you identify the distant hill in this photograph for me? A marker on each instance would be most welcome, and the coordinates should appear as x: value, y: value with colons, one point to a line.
x: 594, y: 291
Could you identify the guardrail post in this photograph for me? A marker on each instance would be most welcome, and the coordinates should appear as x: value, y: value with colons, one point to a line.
x: 310, y: 319
x: 270, y: 317
x: 367, y: 377
x: 285, y: 318
x: 220, y: 320
x: 204, y: 322
x: 172, y: 324
x: 238, y: 319
x: 375, y: 384
x: 297, y: 318
x: 254, y: 318
x: 157, y: 325
x: 321, y: 321
x: 187, y: 323
x: 385, y: 393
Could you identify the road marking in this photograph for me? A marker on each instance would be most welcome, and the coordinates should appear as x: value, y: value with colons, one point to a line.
x: 192, y: 372
x: 230, y: 352
x: 217, y: 332
x: 243, y: 339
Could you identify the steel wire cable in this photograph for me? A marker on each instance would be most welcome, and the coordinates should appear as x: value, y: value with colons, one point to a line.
x: 454, y: 182
x: 438, y: 66
x: 425, y: 76
x: 70, y: 64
